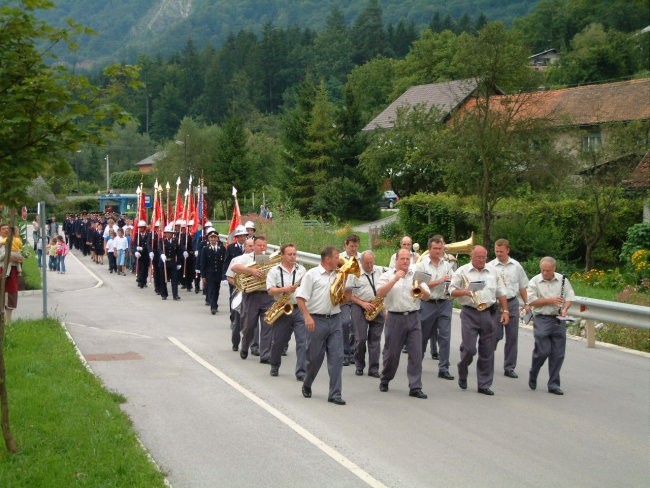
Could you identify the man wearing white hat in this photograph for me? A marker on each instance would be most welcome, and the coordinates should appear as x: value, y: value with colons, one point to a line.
x: 250, y: 228
x: 141, y: 246
x: 234, y: 249
x: 211, y: 263
x: 169, y: 262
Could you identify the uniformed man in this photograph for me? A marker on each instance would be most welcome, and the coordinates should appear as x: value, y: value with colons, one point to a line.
x: 211, y: 263
x: 234, y: 249
x: 402, y: 327
x: 514, y: 278
x: 235, y: 311
x: 478, y: 289
x: 283, y: 280
x: 323, y: 324
x: 367, y: 333
x: 141, y: 245
x: 550, y: 295
x: 255, y: 305
x: 169, y: 262
x: 351, y: 251
x: 435, y: 313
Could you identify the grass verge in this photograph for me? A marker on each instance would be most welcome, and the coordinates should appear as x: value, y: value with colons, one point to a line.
x: 69, y: 429
x: 32, y: 274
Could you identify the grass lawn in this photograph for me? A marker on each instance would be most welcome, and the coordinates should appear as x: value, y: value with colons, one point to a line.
x: 69, y: 430
x: 32, y: 273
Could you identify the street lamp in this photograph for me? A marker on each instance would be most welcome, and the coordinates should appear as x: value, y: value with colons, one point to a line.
x: 108, y: 175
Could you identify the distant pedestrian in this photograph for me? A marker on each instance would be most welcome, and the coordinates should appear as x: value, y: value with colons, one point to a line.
x: 62, y: 250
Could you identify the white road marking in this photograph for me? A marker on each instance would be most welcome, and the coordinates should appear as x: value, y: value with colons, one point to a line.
x: 109, y: 330
x: 301, y: 431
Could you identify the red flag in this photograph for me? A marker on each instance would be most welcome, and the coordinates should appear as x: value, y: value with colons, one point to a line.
x: 179, y: 209
x: 236, y: 218
x: 142, y: 208
x: 192, y: 215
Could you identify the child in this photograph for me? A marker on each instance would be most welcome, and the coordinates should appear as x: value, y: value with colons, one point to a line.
x: 52, y: 263
x: 121, y: 245
x: 61, y: 251
x: 111, y: 252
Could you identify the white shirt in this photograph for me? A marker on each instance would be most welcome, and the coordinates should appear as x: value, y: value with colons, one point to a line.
x: 121, y: 243
x: 245, y: 259
x: 538, y: 287
x: 512, y: 275
x: 436, y: 271
x: 110, y: 245
x: 399, y: 297
x: 363, y: 285
x: 493, y: 288
x: 315, y: 290
x: 278, y: 273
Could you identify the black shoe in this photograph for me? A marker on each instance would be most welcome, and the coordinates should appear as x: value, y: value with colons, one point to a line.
x: 445, y: 375
x: 346, y: 361
x: 383, y: 387
x: 404, y: 350
x: 435, y: 356
x: 418, y: 394
x: 556, y: 391
x: 532, y: 382
x: 177, y: 298
x: 306, y: 391
x: 264, y: 361
x: 284, y: 351
x: 164, y: 297
x: 197, y: 291
x: 374, y: 374
x: 235, y: 348
x: 485, y: 391
x: 511, y: 374
x: 300, y: 376
x: 243, y: 354
x: 255, y: 352
x: 336, y: 400
x: 462, y: 383
x: 213, y: 311
x: 274, y: 371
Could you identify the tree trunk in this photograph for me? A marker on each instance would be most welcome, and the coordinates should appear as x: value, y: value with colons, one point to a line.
x: 4, y: 399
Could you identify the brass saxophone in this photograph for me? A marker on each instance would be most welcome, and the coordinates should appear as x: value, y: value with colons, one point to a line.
x: 281, y: 306
x: 378, y: 303
x: 346, y: 268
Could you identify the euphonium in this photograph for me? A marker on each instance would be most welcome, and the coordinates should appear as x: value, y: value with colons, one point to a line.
x: 346, y: 268
x: 281, y: 306
x: 461, y: 247
x: 248, y: 283
x: 378, y: 303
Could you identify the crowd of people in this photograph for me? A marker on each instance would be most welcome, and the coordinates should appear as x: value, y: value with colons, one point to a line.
x: 410, y: 302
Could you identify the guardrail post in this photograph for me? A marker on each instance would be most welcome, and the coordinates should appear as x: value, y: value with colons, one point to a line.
x: 590, y: 333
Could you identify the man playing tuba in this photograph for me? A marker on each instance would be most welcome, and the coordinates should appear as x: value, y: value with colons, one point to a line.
x: 282, y: 281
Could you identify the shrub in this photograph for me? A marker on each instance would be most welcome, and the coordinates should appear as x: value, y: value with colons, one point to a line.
x: 638, y: 237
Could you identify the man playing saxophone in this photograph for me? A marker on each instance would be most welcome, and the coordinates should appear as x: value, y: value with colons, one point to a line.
x: 254, y: 304
x: 402, y: 327
x: 435, y: 313
x: 367, y: 316
x: 282, y: 281
x: 479, y: 316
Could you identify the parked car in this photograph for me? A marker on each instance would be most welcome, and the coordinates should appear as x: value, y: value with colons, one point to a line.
x: 389, y: 199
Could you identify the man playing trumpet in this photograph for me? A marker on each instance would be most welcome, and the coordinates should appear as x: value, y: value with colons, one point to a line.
x: 367, y: 316
x: 282, y: 280
x: 479, y: 316
x: 402, y: 297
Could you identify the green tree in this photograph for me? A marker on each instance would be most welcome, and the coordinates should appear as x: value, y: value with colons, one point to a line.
x: 167, y: 113
x: 371, y: 85
x: 368, y: 35
x: 45, y: 111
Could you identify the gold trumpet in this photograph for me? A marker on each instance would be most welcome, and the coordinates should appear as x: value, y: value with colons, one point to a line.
x: 416, y: 291
x: 478, y: 302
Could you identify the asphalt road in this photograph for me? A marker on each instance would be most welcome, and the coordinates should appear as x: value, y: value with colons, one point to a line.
x: 211, y: 420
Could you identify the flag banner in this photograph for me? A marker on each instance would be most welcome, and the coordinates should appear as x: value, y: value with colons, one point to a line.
x: 179, y: 210
x: 236, y: 218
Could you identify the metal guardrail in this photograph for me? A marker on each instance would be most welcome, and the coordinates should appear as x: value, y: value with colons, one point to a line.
x: 592, y: 310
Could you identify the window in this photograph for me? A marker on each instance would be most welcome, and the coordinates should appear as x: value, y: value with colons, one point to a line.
x: 591, y: 141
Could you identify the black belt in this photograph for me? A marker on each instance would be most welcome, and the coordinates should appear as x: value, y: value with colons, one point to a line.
x: 545, y: 315
x: 513, y: 298
x: 324, y: 315
x: 438, y: 300
x: 403, y: 313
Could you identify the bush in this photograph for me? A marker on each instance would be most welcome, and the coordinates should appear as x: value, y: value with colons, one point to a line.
x: 638, y: 237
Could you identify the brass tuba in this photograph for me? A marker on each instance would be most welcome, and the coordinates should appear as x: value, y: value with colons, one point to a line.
x: 378, y: 303
x: 346, y: 268
x: 281, y: 306
x: 248, y: 283
x: 461, y: 247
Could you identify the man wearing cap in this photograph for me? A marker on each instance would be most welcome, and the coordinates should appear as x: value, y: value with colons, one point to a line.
x: 211, y: 259
x: 186, y: 257
x: 141, y: 246
x: 235, y: 315
x: 234, y: 249
x: 199, y: 240
x: 169, y: 262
